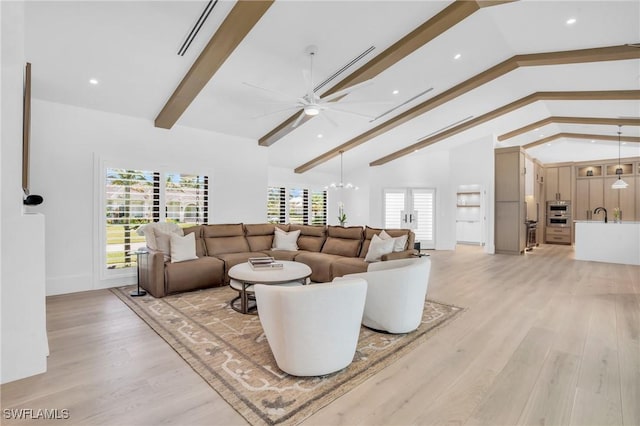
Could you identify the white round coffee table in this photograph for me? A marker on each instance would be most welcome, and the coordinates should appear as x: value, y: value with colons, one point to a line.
x: 245, y: 276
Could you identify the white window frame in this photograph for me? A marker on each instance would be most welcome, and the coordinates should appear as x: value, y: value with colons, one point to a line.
x: 409, y: 210
x: 100, y: 242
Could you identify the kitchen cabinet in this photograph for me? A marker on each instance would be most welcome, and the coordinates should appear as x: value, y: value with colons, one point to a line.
x: 589, y: 195
x: 558, y: 183
x: 637, y: 196
x: 468, y: 231
x: 468, y: 216
x: 558, y: 235
x: 510, y: 209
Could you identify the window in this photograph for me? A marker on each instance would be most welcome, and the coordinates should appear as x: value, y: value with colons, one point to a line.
x: 411, y: 208
x: 297, y: 205
x: 186, y: 198
x: 276, y: 206
x: 134, y: 197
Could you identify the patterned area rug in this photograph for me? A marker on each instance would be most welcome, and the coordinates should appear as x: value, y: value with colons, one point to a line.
x: 230, y: 352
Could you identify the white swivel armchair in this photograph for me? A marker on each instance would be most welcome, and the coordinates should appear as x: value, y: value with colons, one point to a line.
x: 396, y: 294
x: 312, y: 330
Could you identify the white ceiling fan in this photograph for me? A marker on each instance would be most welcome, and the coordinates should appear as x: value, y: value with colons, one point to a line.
x: 311, y: 104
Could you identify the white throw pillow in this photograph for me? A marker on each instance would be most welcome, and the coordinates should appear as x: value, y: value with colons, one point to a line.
x: 398, y: 242
x: 285, y: 240
x: 378, y: 248
x: 183, y: 248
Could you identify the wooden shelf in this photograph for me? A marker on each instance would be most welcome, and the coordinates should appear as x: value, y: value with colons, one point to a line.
x: 470, y: 192
x: 468, y: 205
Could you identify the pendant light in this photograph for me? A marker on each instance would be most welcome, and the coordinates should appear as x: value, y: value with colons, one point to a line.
x: 619, y: 184
x: 341, y: 184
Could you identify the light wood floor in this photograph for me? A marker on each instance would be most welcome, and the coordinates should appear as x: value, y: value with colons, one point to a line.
x: 544, y: 340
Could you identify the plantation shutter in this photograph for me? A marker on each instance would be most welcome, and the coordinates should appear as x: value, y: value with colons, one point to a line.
x: 423, y: 203
x: 318, y: 208
x: 131, y: 199
x: 276, y: 205
x: 394, y: 204
x: 186, y: 198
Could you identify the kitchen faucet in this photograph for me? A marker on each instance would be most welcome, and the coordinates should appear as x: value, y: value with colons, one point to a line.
x: 598, y: 210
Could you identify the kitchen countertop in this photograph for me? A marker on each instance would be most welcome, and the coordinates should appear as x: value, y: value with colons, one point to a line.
x: 624, y: 222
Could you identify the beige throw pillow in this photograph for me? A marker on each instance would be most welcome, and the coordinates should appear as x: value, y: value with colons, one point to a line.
x: 378, y: 248
x: 287, y: 241
x: 163, y: 243
x: 183, y: 248
x: 398, y: 242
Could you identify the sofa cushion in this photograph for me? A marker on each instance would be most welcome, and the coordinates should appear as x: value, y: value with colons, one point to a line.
x: 220, y: 239
x: 193, y: 274
x: 233, y: 259
x: 311, y: 237
x: 259, y: 236
x: 282, y: 254
x: 348, y: 265
x: 320, y: 264
x: 343, y: 241
x: 197, y: 231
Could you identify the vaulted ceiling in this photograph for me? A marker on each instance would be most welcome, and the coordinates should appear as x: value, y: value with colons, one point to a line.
x: 442, y: 73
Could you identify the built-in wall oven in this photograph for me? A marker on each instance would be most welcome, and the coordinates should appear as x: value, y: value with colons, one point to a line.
x: 558, y: 214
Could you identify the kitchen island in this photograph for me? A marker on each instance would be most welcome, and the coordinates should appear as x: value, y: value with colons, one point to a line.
x: 608, y: 242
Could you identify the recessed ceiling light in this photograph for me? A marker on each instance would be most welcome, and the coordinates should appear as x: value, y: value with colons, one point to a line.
x: 624, y: 143
x: 320, y: 135
x: 395, y: 92
x: 541, y: 135
x: 93, y: 81
x: 571, y: 21
x: 458, y: 56
x: 549, y: 144
x: 593, y: 141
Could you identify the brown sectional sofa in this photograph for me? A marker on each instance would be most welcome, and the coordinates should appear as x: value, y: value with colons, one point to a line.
x: 330, y: 251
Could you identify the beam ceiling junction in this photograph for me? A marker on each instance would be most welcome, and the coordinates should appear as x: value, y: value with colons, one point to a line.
x: 534, y: 97
x: 570, y: 120
x: 612, y: 53
x: 581, y: 136
x: 437, y: 25
x: 240, y: 20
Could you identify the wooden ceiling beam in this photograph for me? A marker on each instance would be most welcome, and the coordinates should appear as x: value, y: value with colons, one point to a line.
x: 570, y: 120
x: 542, y: 141
x: 437, y: 25
x: 538, y: 96
x: 548, y: 58
x: 242, y: 18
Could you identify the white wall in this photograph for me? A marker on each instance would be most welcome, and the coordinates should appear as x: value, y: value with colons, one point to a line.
x: 424, y: 169
x: 71, y: 143
x: 24, y: 347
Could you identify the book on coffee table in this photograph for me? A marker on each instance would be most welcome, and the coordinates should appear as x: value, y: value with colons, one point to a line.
x: 264, y: 263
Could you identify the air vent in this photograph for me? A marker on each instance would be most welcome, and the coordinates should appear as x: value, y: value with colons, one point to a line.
x: 402, y: 104
x: 196, y: 28
x: 445, y: 128
x: 343, y: 69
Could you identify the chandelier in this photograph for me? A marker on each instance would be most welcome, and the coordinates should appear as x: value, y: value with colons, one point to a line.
x: 619, y: 184
x: 341, y: 184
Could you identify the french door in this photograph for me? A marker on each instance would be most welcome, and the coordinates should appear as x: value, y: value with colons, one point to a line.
x: 412, y: 208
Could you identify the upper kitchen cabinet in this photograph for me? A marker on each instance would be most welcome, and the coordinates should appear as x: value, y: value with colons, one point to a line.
x: 558, y: 183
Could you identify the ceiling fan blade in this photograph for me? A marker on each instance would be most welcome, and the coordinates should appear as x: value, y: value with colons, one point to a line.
x: 298, y: 120
x: 332, y: 108
x: 288, y: 97
x: 346, y: 91
x: 327, y: 115
x: 275, y: 112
